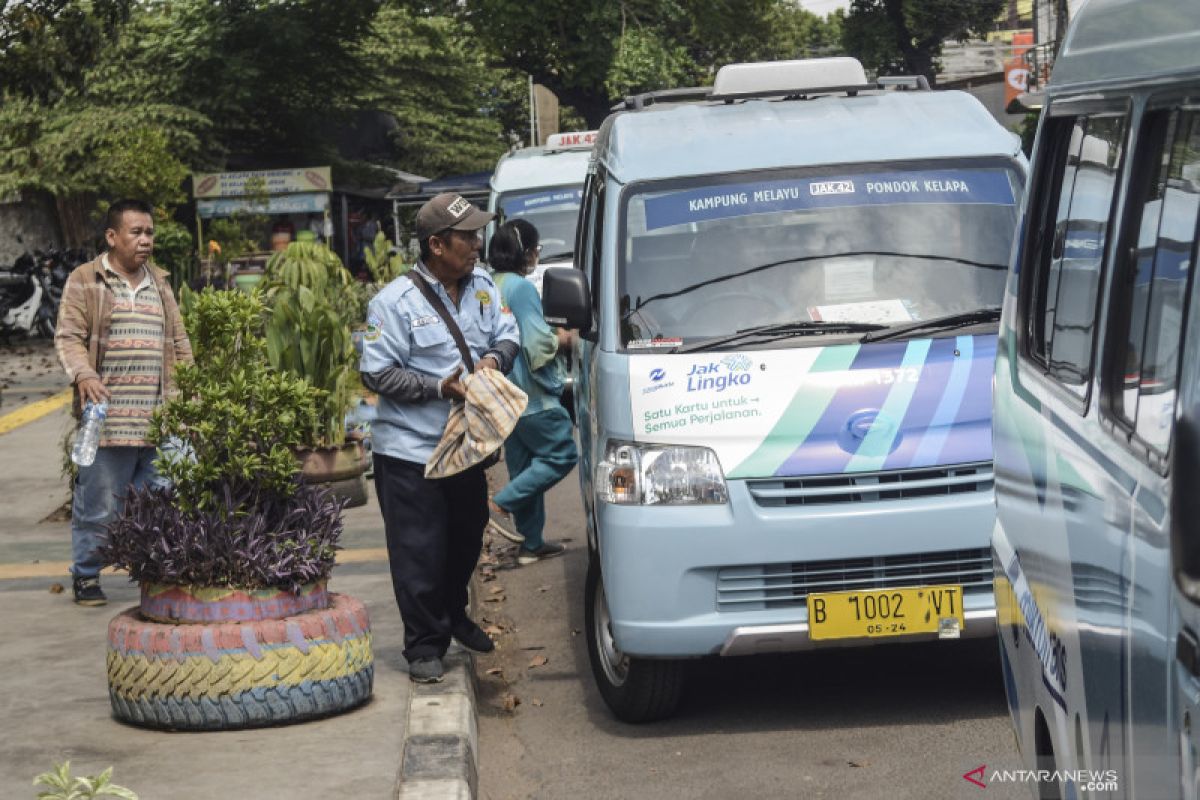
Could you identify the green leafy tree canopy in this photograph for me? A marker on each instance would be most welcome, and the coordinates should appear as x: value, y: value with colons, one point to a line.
x: 905, y: 37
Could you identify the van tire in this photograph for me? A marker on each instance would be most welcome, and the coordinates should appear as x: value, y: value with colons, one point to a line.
x: 635, y: 689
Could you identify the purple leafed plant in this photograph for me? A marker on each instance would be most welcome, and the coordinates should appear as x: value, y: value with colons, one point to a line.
x: 252, y: 540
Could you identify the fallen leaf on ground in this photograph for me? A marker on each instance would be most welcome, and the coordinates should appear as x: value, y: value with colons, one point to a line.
x: 494, y: 671
x: 509, y: 702
x: 496, y: 590
x: 534, y: 647
x: 537, y: 702
x: 56, y: 588
x: 493, y: 630
x: 543, y: 588
x: 497, y: 599
x: 857, y: 763
x: 539, y: 661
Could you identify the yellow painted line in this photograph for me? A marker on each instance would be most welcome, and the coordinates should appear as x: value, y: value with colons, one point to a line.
x: 361, y: 555
x: 42, y: 569
x: 62, y: 569
x: 34, y: 411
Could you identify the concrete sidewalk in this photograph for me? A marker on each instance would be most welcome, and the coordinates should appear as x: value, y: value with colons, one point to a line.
x: 54, y: 696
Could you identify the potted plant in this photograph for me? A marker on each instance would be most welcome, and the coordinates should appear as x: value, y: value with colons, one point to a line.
x: 236, y: 627
x: 312, y: 307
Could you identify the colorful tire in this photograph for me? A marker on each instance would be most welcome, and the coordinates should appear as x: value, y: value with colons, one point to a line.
x: 173, y: 603
x: 240, y: 674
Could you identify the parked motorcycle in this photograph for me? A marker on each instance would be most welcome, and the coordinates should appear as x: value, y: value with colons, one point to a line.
x: 29, y: 297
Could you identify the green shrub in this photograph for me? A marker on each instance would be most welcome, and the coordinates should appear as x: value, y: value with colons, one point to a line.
x: 63, y: 787
x: 236, y: 416
x: 237, y: 513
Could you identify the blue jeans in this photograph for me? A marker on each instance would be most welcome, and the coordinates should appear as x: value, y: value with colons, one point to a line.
x: 99, y: 497
x: 539, y: 453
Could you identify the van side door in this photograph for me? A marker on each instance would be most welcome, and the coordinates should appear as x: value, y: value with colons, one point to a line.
x: 588, y: 250
x: 1069, y: 528
x: 1143, y: 340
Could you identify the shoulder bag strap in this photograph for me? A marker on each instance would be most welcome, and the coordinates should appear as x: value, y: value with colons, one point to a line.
x: 444, y: 313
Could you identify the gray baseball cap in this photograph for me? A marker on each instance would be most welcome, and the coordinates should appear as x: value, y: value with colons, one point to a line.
x: 450, y: 210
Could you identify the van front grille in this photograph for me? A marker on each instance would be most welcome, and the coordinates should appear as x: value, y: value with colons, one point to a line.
x: 870, y: 487
x: 788, y: 585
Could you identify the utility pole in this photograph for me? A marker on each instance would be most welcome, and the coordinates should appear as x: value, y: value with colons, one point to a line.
x: 1061, y: 13
x: 532, y: 115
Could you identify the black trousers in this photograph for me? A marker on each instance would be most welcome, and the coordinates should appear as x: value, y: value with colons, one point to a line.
x: 434, y: 536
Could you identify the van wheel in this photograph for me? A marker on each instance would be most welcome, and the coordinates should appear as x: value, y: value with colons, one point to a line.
x: 636, y: 689
x: 1043, y: 748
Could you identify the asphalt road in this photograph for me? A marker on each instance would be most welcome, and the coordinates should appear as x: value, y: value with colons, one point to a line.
x: 29, y: 371
x: 900, y: 721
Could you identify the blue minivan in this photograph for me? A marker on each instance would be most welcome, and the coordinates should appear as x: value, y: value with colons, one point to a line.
x: 788, y: 288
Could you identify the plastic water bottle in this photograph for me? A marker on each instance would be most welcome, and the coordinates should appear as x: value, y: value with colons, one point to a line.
x: 87, y: 441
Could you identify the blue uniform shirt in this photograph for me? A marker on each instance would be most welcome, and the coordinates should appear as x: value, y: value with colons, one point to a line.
x: 403, y: 330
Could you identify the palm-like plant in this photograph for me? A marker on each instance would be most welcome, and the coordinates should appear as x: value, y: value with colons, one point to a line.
x: 312, y: 306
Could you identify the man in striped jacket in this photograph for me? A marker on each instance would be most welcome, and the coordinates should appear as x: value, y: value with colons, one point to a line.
x: 119, y: 336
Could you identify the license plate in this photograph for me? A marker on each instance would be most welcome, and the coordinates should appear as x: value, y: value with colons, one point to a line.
x: 886, y: 612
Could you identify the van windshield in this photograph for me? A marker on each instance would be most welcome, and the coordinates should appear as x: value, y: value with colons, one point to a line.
x: 553, y: 210
x: 872, y: 249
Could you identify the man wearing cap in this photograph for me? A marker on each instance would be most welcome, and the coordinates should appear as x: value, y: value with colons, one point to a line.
x: 411, y: 360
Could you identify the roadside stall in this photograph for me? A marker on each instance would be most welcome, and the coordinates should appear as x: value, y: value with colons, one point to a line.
x: 295, y: 201
x: 408, y: 196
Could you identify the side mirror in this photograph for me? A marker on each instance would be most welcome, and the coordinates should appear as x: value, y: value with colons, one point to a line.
x: 1185, y: 504
x: 566, y: 300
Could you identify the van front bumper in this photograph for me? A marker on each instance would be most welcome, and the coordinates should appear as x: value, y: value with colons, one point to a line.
x: 662, y: 566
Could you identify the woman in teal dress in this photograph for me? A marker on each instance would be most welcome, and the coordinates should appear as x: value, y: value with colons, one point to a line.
x: 541, y: 449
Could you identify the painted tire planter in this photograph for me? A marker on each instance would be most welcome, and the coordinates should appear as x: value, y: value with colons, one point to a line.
x: 173, y: 603
x: 229, y: 675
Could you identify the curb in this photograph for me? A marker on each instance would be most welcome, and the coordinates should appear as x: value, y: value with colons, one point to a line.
x: 440, y: 760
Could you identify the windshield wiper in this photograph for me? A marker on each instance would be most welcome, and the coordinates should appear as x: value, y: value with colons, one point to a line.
x: 948, y: 322
x: 779, y: 331
x: 820, y: 257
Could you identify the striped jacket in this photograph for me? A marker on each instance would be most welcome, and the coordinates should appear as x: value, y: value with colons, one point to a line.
x: 84, y: 318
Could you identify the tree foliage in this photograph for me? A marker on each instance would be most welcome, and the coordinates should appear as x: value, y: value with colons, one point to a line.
x: 46, y: 45
x: 431, y: 74
x: 100, y: 98
x: 592, y: 52
x: 905, y: 36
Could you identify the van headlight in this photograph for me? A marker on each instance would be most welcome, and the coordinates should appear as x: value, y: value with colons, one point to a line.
x: 652, y: 474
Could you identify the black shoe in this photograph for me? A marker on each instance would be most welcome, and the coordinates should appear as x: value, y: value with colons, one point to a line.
x: 547, y: 550
x: 426, y: 670
x: 503, y: 525
x: 89, y: 593
x: 472, y: 637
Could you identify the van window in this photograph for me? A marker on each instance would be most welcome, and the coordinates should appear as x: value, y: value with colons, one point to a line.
x: 553, y: 210
x: 596, y: 234
x: 1148, y: 319
x: 1085, y: 155
x: 887, y: 246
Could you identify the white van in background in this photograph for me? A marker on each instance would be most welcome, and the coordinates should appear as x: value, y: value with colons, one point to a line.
x: 544, y: 185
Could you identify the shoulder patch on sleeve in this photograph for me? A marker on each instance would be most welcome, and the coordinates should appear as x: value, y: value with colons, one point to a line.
x: 374, y: 327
